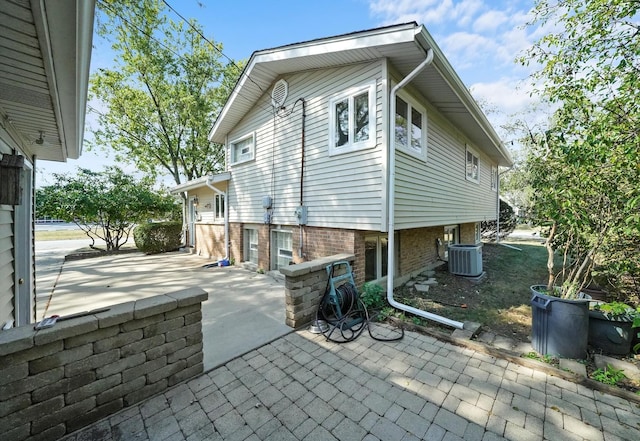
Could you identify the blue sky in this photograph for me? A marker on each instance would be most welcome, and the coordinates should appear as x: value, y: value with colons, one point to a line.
x: 480, y: 38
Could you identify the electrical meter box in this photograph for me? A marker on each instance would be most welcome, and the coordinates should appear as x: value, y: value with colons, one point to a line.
x: 301, y: 215
x: 266, y: 202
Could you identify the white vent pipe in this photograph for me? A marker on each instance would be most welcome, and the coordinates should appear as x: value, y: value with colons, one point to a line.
x: 391, y: 203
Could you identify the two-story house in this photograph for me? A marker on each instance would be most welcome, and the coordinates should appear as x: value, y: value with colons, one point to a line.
x: 365, y: 143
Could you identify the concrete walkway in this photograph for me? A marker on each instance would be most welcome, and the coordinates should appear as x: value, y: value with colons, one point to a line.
x: 300, y: 387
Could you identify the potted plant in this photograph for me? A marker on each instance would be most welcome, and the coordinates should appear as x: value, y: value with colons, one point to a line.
x: 610, y: 327
x: 573, y: 203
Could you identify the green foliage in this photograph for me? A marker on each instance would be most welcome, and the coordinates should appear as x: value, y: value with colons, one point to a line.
x: 584, y: 168
x: 609, y: 375
x: 372, y: 295
x: 508, y: 223
x: 549, y: 359
x: 616, y: 310
x: 165, y: 89
x: 105, y: 205
x: 158, y: 237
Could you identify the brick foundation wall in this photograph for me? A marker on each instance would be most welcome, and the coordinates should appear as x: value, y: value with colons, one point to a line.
x: 418, y: 249
x: 210, y: 241
x: 468, y: 233
x: 236, y: 238
x: 57, y: 380
x: 305, y: 284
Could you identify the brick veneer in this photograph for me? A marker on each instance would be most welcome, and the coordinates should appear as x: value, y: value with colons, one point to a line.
x: 305, y: 284
x: 57, y: 380
x: 210, y: 241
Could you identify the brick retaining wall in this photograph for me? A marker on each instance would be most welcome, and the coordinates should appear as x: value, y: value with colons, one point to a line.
x: 57, y: 380
x: 305, y: 284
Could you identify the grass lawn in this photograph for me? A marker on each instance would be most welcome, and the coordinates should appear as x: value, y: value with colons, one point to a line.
x: 61, y: 235
x: 500, y: 302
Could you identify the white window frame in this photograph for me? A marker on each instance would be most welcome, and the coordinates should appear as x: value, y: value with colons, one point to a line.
x: 413, y: 104
x: 454, y: 232
x: 494, y: 178
x: 233, y: 145
x: 249, y: 245
x: 218, y: 207
x: 349, y: 95
x: 277, y: 251
x: 469, y: 165
x: 478, y: 232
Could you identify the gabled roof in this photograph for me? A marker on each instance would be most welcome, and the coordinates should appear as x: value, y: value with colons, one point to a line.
x: 45, y: 52
x: 404, y: 45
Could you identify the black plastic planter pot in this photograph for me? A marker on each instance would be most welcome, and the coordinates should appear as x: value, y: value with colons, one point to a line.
x: 559, y: 327
x: 609, y: 335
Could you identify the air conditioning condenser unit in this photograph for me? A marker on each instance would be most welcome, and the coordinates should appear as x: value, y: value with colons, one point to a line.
x: 465, y: 260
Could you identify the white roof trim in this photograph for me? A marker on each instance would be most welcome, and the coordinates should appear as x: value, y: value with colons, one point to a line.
x: 200, y: 182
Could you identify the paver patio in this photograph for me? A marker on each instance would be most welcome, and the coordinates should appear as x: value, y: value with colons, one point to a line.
x: 301, y: 387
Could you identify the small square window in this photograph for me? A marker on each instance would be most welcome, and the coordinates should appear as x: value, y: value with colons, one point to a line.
x: 473, y: 166
x: 242, y: 150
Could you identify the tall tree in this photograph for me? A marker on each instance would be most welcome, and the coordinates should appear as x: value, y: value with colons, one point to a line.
x: 105, y: 205
x: 585, y: 171
x: 165, y: 89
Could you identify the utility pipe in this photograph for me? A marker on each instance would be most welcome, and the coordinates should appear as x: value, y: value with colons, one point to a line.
x: 226, y: 216
x: 391, y: 203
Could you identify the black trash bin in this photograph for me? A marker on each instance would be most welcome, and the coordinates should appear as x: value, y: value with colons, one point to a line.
x: 559, y: 327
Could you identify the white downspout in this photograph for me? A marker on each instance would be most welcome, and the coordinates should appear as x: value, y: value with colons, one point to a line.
x: 391, y: 203
x: 226, y: 217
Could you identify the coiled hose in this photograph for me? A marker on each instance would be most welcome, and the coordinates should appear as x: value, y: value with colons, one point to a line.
x: 347, y: 314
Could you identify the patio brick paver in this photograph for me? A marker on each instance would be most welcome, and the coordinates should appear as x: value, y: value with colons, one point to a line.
x: 301, y: 387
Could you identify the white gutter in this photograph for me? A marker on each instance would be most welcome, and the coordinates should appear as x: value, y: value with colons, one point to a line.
x: 226, y: 216
x: 391, y: 203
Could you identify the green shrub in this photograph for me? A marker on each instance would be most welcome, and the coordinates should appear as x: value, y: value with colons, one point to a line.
x: 372, y: 295
x: 158, y: 237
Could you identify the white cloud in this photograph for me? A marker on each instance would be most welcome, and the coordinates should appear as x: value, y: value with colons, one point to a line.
x: 490, y: 21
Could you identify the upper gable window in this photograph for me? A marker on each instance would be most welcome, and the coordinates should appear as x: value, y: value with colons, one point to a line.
x: 410, y: 127
x: 352, y: 120
x: 473, y: 166
x: 242, y: 149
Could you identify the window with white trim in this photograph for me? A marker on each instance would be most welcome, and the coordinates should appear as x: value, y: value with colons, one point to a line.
x: 473, y: 166
x: 218, y: 209
x: 478, y: 232
x: 282, y: 249
x: 376, y: 256
x: 352, y: 120
x: 242, y: 149
x: 451, y: 237
x: 494, y: 178
x: 410, y: 127
x: 251, y: 245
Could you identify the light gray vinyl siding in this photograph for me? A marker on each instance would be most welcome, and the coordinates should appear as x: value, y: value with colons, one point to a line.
x: 437, y: 192
x: 341, y: 191
x: 6, y: 264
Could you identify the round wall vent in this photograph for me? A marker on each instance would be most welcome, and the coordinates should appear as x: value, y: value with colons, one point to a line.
x: 279, y: 93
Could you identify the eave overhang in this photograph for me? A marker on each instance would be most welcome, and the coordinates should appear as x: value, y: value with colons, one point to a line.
x: 404, y: 46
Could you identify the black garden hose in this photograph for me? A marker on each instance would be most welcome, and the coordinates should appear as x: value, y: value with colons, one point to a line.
x: 348, y: 315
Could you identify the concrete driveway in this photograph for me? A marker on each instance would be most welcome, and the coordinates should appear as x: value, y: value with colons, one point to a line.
x: 245, y: 310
